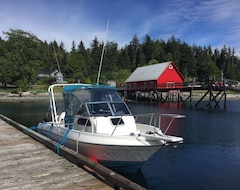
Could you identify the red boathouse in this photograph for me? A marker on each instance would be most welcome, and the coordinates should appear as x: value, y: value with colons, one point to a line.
x: 154, y: 77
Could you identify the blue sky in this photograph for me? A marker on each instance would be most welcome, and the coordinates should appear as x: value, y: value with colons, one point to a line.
x: 199, y: 22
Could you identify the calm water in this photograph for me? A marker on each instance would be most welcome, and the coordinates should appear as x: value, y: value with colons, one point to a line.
x: 209, y: 158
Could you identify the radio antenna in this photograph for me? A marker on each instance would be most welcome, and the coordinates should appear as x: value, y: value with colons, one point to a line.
x: 56, y: 57
x: 101, y: 60
x: 59, y: 75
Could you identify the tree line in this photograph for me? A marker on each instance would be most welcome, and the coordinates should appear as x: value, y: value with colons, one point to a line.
x: 23, y: 56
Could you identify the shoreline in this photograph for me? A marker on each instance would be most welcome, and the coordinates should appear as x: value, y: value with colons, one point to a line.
x: 30, y: 97
x: 27, y: 97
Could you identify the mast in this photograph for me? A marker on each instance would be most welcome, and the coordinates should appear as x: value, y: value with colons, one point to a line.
x: 55, y: 54
x: 101, y: 60
x: 59, y: 76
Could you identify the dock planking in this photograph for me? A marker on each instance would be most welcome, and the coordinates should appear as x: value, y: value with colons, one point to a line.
x: 27, y: 164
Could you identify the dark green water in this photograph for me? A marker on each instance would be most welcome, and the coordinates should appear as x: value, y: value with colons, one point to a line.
x: 209, y: 158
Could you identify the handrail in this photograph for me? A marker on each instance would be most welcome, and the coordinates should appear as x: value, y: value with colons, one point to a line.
x: 79, y: 133
x: 52, y: 99
x: 136, y: 86
x: 154, y: 116
x: 120, y: 119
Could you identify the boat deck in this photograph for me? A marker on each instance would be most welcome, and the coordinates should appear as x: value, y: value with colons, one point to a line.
x: 28, y: 164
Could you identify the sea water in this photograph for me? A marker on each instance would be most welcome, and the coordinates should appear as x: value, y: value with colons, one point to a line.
x: 209, y: 157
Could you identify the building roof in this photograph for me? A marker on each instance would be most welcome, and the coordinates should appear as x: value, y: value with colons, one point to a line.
x: 149, y: 72
x: 48, y: 71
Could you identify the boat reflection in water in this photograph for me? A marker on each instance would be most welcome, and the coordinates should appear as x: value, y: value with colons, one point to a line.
x: 97, y: 123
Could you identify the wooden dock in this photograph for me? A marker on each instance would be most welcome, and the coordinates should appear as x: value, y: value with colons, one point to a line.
x: 162, y: 94
x: 29, y: 164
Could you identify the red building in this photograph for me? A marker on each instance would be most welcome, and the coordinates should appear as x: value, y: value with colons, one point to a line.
x: 157, y: 76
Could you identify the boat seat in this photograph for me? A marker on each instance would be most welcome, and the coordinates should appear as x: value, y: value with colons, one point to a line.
x: 61, y: 117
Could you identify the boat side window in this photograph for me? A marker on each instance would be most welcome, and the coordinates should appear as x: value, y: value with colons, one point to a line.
x: 84, y: 121
x: 117, y: 121
x: 72, y: 104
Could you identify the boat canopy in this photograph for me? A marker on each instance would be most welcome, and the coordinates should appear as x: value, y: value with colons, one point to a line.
x: 80, y: 99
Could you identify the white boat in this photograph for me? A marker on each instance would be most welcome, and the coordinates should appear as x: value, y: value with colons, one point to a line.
x: 97, y: 123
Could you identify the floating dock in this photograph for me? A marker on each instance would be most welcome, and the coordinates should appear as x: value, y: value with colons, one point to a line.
x: 32, y: 163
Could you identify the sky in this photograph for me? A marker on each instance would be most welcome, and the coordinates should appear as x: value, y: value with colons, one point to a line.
x: 196, y: 22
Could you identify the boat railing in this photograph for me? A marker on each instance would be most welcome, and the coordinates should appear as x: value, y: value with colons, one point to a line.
x: 156, y: 120
x: 81, y: 123
x: 53, y: 107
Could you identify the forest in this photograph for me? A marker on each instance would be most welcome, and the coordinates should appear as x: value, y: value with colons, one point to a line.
x: 23, y: 56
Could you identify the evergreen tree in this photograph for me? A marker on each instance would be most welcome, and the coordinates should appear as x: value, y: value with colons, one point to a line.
x: 148, y: 49
x: 173, y: 48
x: 110, y: 61
x: 95, y: 52
x: 159, y: 51
x: 23, y: 56
x: 133, y: 49
x: 187, y: 63
x: 124, y: 61
x: 85, y: 60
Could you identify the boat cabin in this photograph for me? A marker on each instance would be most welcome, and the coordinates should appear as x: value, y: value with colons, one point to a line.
x: 88, y: 105
x: 93, y: 100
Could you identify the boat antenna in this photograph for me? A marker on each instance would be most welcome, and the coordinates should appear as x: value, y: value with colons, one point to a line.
x: 101, y: 60
x: 55, y: 54
x: 59, y: 76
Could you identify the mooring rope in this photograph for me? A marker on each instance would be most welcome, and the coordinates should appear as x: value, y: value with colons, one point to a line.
x: 50, y: 131
x: 63, y: 140
x: 31, y: 128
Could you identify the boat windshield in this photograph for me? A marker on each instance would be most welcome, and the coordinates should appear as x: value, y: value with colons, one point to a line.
x: 93, y: 100
x: 107, y: 108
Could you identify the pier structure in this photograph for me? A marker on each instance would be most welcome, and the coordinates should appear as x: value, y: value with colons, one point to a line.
x: 163, y: 82
x: 214, y: 99
x: 180, y: 93
x: 164, y: 95
x: 29, y: 160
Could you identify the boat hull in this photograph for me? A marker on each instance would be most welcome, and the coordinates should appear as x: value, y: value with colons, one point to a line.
x: 123, y: 158
x: 120, y: 158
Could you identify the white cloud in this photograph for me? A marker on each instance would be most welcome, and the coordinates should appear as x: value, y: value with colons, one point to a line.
x: 201, y: 22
